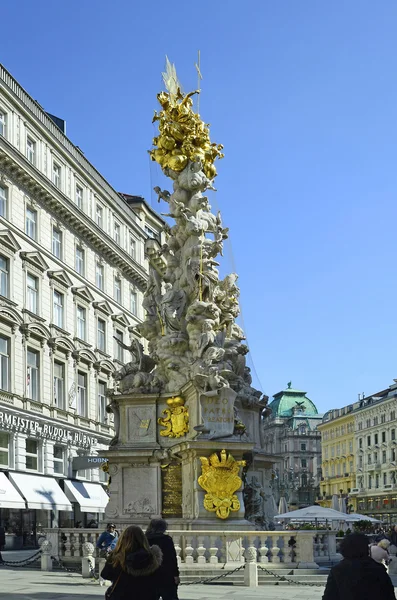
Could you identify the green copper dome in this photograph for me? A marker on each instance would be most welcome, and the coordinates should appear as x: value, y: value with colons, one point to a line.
x: 290, y: 402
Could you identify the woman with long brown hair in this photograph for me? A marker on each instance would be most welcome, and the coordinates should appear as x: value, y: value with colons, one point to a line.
x: 132, y: 566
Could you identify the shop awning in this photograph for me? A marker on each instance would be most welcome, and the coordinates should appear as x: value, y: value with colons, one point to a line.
x: 9, y: 496
x: 40, y: 492
x: 90, y: 496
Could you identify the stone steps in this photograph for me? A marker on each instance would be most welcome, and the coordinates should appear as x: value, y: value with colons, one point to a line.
x: 298, y: 576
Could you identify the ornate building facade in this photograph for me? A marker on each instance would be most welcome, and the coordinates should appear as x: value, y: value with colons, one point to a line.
x: 338, y: 456
x: 72, y: 275
x: 290, y: 432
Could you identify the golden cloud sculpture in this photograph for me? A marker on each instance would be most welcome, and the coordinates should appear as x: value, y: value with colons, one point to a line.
x: 220, y: 479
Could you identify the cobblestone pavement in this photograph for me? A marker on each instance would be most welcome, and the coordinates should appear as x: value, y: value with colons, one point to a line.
x: 24, y: 584
x: 19, y: 584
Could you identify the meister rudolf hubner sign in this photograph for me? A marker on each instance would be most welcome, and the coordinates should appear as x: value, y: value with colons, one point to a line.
x: 45, y: 430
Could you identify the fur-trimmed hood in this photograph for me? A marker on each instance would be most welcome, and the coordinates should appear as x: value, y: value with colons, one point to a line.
x: 142, y: 563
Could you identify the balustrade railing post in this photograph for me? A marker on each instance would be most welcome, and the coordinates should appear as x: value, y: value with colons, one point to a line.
x: 275, y: 551
x: 46, y: 561
x: 88, y: 560
x: 305, y: 550
x: 263, y: 551
x: 250, y: 567
x: 189, y: 560
x: 201, y: 560
x: 213, y: 550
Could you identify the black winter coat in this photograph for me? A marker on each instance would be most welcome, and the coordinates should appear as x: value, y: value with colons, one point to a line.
x: 138, y: 581
x: 169, y: 567
x: 358, y: 579
x: 2, y: 537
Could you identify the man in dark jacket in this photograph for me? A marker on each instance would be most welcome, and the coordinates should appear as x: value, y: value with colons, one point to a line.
x: 168, y: 573
x: 357, y: 576
x: 2, y: 542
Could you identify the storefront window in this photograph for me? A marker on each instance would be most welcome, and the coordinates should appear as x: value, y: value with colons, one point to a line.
x: 4, y: 449
x: 32, y: 455
x: 394, y: 502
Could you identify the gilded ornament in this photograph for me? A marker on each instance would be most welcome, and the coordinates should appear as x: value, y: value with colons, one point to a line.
x: 220, y: 479
x: 183, y: 136
x: 175, y: 419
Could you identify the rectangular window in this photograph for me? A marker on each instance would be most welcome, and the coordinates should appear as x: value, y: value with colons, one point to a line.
x: 393, y: 455
x: 31, y: 150
x: 79, y: 260
x: 117, y: 233
x: 4, y: 363
x: 393, y: 434
x: 56, y: 242
x: 32, y: 455
x: 384, y: 456
x: 56, y: 175
x: 32, y: 293
x: 383, y: 418
x: 360, y: 462
x: 79, y: 197
x: 31, y: 222
x: 368, y: 440
x: 351, y: 447
x: 384, y: 478
x: 375, y: 420
x: 376, y: 481
x: 58, y: 308
x: 82, y: 394
x: 3, y: 124
x: 4, y: 449
x: 369, y: 481
x: 102, y: 402
x: 383, y: 437
x: 3, y: 201
x: 101, y: 335
x: 133, y: 303
x: 4, y: 276
x: 99, y: 215
x: 360, y: 426
x: 81, y: 322
x: 133, y: 248
x: 59, y: 385
x: 117, y: 289
x: 59, y: 460
x: 99, y: 278
x: 392, y: 415
x: 376, y: 439
x: 33, y: 375
x: 118, y: 350
x: 303, y: 463
x: 369, y: 459
x: 303, y: 447
x: 375, y: 457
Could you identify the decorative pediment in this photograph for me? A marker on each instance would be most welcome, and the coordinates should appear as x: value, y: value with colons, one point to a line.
x: 61, y: 343
x: 84, y: 293
x: 105, y: 365
x: 8, y: 240
x: 84, y: 355
x: 121, y: 319
x: 35, y: 260
x: 37, y: 330
x: 60, y: 277
x: 104, y: 307
x: 9, y: 315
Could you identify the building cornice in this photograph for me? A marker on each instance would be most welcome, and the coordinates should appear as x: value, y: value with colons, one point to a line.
x: 61, y: 142
x: 37, y: 184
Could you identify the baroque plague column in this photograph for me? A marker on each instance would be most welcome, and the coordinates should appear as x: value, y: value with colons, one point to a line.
x: 188, y: 421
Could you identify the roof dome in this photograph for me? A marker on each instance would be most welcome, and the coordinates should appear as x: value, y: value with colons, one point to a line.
x: 290, y: 402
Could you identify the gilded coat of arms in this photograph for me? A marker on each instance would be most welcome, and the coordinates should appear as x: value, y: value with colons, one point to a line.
x: 175, y: 419
x: 220, y: 479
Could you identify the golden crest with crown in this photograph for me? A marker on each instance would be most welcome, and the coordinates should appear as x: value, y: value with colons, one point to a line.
x: 175, y: 419
x: 220, y: 479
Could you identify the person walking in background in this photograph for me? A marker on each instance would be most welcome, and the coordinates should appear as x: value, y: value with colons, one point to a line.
x: 132, y: 567
x: 358, y: 576
x: 380, y: 552
x: 393, y: 536
x: 107, y: 540
x: 168, y: 573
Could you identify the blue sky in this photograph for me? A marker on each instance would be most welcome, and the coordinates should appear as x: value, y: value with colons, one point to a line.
x: 303, y: 95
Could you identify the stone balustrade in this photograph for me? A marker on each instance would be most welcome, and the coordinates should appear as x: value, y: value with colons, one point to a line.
x: 218, y: 549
